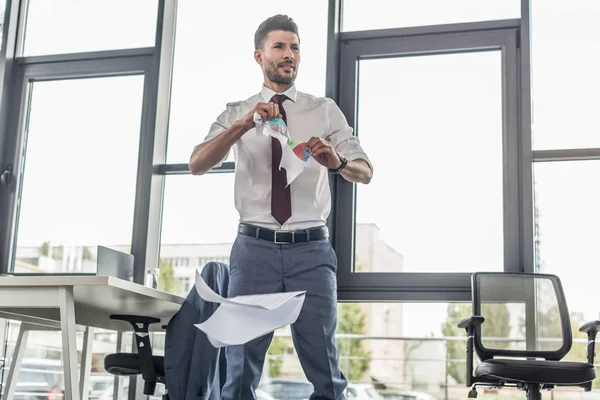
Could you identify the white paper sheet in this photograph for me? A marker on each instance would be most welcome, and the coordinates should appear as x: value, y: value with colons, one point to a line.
x: 243, y: 318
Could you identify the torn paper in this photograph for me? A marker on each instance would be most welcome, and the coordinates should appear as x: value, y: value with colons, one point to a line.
x: 294, y: 156
x: 243, y: 318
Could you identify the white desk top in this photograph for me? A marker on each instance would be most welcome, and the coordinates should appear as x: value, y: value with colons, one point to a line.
x: 95, y: 297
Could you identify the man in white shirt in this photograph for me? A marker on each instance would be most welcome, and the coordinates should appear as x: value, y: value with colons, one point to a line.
x: 283, y: 243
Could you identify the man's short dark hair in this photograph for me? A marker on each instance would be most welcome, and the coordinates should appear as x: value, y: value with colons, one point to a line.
x: 277, y: 22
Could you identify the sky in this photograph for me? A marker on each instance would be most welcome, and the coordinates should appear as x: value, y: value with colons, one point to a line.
x: 431, y: 126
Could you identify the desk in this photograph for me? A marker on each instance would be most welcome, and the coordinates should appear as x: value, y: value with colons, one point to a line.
x: 66, y: 302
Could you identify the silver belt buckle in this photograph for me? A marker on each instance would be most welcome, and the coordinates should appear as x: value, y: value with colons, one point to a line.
x: 282, y: 242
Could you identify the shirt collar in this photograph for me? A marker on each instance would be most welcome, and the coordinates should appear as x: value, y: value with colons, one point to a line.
x: 267, y: 93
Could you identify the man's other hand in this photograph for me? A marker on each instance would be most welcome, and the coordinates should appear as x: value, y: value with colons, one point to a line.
x: 267, y: 112
x: 323, y: 152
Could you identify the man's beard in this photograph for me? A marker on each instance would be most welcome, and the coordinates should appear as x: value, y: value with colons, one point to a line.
x: 274, y: 76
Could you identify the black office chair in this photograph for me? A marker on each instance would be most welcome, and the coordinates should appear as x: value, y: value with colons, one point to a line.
x: 152, y: 368
x: 529, y: 358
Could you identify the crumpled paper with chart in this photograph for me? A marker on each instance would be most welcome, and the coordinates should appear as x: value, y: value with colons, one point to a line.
x: 294, y: 156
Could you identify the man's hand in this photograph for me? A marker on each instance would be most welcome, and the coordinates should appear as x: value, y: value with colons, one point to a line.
x: 323, y: 153
x: 267, y: 111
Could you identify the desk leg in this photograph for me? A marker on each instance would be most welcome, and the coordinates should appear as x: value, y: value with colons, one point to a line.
x: 69, y: 344
x: 86, y: 363
x: 15, y: 365
x: 118, y: 386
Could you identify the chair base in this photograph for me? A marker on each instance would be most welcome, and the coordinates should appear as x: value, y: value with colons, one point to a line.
x: 533, y: 391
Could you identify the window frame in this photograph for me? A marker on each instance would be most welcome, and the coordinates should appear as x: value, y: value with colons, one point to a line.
x: 50, y: 68
x: 443, y: 39
x: 155, y: 63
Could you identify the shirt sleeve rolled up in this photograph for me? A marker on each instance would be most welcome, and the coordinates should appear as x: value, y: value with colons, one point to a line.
x: 341, y: 136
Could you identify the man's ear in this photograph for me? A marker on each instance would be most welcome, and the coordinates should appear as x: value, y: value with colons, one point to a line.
x: 258, y: 57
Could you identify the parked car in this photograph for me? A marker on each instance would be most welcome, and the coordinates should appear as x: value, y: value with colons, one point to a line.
x: 262, y: 395
x: 39, y: 378
x: 405, y: 395
x: 362, y: 391
x: 283, y: 389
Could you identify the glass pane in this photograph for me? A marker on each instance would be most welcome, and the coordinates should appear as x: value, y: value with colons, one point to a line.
x: 202, y: 85
x: 516, y: 308
x: 98, y: 24
x: 199, y: 225
x: 386, y: 350
x: 565, y: 82
x: 42, y: 374
x: 80, y: 172
x: 435, y: 201
x: 567, y: 236
x: 359, y: 15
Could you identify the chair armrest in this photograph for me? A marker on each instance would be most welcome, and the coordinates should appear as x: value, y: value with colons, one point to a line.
x: 471, y: 322
x: 140, y: 325
x: 591, y: 328
x: 136, y: 321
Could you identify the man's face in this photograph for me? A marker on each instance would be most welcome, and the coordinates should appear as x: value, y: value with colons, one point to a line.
x: 280, y: 57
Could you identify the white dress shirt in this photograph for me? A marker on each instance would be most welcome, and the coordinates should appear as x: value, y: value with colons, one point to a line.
x: 307, y: 116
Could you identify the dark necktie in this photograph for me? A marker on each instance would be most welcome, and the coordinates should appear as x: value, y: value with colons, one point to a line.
x: 281, y: 199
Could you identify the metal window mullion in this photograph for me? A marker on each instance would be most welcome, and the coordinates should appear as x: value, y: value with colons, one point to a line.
x: 153, y: 146
x: 566, y: 155
x: 145, y: 242
x: 512, y: 215
x: 527, y: 205
x: 8, y: 70
x: 343, y: 195
x: 14, y: 101
x: 443, y: 29
x: 136, y: 65
x: 354, y: 294
x: 332, y: 86
x: 87, y: 56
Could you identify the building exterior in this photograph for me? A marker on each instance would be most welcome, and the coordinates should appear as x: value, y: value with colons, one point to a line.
x: 374, y: 255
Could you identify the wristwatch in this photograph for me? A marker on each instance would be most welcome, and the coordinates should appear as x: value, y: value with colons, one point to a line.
x: 337, y: 170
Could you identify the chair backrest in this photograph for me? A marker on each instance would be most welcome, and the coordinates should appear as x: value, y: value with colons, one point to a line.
x: 526, y: 316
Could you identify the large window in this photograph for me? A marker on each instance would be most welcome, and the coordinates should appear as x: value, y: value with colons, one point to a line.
x: 79, y: 173
x: 437, y: 115
x: 76, y: 130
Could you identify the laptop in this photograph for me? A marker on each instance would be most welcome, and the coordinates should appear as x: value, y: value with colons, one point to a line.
x: 114, y: 263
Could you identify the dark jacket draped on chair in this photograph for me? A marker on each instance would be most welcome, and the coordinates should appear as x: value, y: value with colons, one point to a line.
x: 194, y: 369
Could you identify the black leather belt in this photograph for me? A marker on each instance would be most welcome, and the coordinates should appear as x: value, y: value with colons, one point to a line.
x: 284, y: 237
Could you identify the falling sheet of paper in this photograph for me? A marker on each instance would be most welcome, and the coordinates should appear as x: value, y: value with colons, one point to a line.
x: 294, y: 156
x: 243, y: 318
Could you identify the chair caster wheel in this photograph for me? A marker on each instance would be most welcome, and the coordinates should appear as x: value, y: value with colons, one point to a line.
x: 472, y: 393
